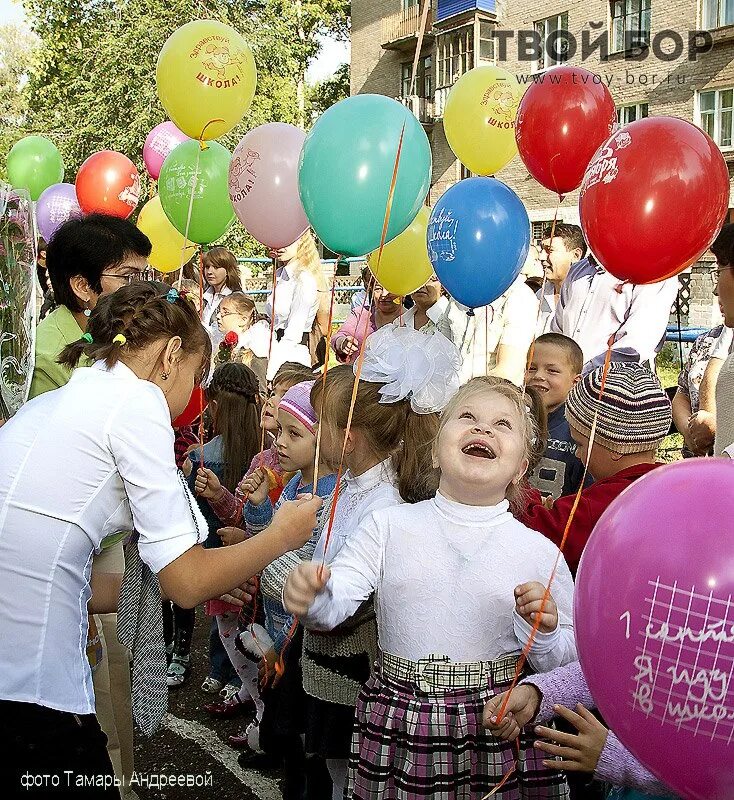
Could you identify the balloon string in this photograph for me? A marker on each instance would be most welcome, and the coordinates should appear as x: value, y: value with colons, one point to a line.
x: 201, y: 391
x: 419, y: 45
x: 323, y: 389
x: 184, y: 247
x: 270, y: 353
x: 360, y: 358
x: 506, y: 777
x: 577, y: 499
x: 200, y: 138
x: 531, y: 353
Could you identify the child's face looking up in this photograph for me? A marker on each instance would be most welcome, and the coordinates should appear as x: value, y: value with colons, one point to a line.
x: 269, y: 418
x: 296, y: 444
x: 551, y: 373
x: 481, y: 449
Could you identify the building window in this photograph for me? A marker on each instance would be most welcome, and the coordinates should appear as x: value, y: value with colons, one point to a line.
x: 486, y: 42
x: 464, y: 172
x: 538, y: 229
x: 715, y: 114
x: 410, y: 4
x: 455, y: 55
x: 717, y: 13
x: 630, y: 28
x: 423, y: 78
x: 553, y: 49
x: 627, y: 114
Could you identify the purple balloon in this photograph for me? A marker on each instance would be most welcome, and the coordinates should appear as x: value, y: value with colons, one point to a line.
x: 654, y: 622
x: 54, y: 207
x: 158, y: 144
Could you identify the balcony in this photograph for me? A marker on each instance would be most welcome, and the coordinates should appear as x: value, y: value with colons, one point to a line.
x: 447, y: 10
x: 400, y: 30
x: 422, y: 108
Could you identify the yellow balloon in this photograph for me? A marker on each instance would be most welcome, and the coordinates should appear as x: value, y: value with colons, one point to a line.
x: 170, y: 249
x: 479, y: 119
x: 206, y: 78
x: 404, y: 266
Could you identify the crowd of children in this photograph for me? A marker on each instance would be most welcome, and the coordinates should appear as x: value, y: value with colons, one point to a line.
x: 372, y: 661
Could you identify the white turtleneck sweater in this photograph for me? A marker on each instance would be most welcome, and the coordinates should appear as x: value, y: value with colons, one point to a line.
x: 444, y: 576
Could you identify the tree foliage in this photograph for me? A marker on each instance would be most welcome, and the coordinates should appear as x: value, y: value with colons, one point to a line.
x: 92, y: 74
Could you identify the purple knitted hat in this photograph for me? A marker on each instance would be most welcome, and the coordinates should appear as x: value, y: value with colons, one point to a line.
x: 297, y: 401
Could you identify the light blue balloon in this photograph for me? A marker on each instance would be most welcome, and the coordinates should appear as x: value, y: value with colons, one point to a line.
x: 478, y: 240
x: 346, y: 169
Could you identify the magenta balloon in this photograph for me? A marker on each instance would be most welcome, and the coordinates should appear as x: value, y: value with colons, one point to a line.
x: 263, y: 184
x: 654, y: 621
x: 54, y: 207
x: 158, y: 144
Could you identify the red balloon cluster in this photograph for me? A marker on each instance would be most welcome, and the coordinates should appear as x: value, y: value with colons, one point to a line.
x: 653, y: 199
x: 561, y: 122
x: 108, y: 183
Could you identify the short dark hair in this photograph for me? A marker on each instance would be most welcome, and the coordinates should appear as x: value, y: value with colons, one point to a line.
x: 572, y: 236
x: 87, y: 246
x: 723, y: 246
x: 574, y: 353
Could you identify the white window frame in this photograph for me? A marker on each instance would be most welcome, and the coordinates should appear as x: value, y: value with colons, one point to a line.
x: 717, y: 112
x: 720, y: 21
x: 638, y: 107
x: 621, y: 47
x: 542, y: 26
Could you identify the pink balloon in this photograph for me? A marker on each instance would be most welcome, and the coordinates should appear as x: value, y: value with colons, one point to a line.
x: 158, y: 144
x: 263, y: 184
x: 654, y: 621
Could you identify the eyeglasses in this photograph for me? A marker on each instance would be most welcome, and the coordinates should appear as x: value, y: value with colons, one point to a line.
x: 223, y: 314
x: 131, y: 277
x: 716, y: 271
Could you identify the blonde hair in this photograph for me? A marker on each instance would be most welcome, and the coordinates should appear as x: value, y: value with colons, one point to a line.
x: 243, y: 305
x: 527, y: 411
x: 221, y: 258
x: 390, y: 429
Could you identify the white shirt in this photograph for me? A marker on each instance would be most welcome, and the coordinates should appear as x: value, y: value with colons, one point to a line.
x: 723, y: 345
x: 590, y: 310
x: 212, y: 301
x: 547, y: 308
x: 256, y: 339
x: 88, y: 460
x: 360, y: 496
x: 444, y: 575
x: 509, y: 320
x: 296, y: 305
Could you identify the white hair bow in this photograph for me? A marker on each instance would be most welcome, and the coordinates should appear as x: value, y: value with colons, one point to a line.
x: 421, y: 366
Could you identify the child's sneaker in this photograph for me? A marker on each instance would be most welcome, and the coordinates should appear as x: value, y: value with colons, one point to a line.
x: 178, y: 671
x: 211, y: 685
x: 229, y: 691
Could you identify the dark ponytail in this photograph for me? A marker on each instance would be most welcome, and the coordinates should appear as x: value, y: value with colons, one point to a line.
x: 236, y: 391
x: 134, y: 317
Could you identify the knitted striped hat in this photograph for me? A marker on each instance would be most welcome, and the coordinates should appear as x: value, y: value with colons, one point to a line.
x: 297, y: 401
x: 634, y: 411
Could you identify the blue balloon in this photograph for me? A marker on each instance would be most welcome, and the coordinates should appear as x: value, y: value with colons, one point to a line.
x: 478, y: 240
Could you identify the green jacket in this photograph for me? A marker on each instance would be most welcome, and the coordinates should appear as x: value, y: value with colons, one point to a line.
x: 57, y: 330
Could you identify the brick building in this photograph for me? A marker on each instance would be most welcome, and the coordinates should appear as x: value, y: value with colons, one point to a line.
x: 461, y: 34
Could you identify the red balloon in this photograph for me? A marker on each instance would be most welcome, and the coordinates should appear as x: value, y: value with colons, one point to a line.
x: 108, y: 183
x: 653, y: 199
x: 561, y: 122
x: 193, y: 410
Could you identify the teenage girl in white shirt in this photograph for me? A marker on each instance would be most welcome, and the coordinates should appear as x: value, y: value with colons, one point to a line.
x: 458, y: 583
x: 85, y: 461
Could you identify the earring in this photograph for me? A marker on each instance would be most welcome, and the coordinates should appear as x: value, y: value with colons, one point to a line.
x: 164, y: 376
x: 87, y: 310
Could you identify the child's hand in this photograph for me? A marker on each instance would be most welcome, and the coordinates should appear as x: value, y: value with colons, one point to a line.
x: 578, y: 752
x: 207, y: 484
x: 302, y: 585
x: 266, y: 669
x: 347, y: 346
x: 295, y: 520
x: 522, y: 707
x: 528, y: 600
x: 256, y: 487
x: 231, y: 535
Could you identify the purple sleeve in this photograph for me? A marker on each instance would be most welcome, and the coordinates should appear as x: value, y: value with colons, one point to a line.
x: 565, y: 686
x: 353, y: 326
x: 618, y: 766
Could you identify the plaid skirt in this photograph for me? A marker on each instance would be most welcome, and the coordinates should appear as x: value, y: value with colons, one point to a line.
x: 426, y: 740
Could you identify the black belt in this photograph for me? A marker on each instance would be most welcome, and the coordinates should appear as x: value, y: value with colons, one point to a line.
x: 279, y: 334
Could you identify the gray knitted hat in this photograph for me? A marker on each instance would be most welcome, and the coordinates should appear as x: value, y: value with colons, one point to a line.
x: 634, y: 412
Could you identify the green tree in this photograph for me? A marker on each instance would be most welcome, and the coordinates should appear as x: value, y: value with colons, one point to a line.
x: 324, y: 94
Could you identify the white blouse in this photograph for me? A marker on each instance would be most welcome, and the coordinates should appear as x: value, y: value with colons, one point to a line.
x: 444, y: 576
x: 361, y: 495
x: 88, y: 460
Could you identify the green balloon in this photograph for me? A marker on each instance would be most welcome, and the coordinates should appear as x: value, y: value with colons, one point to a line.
x: 346, y: 169
x: 211, y: 209
x: 34, y: 163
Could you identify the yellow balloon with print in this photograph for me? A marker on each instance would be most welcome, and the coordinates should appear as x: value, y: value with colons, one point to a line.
x: 404, y: 265
x: 479, y: 119
x: 206, y: 78
x: 170, y: 248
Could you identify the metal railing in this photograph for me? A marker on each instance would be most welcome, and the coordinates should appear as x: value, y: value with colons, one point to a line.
x: 404, y: 24
x: 422, y: 107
